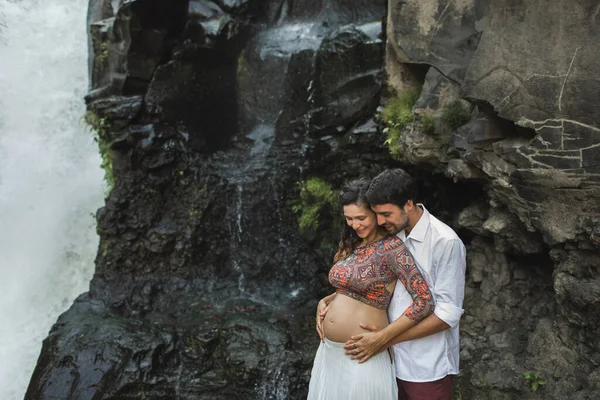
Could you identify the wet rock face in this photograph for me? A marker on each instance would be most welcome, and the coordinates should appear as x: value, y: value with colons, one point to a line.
x: 531, y: 143
x: 333, y: 12
x: 205, y: 353
x: 209, y: 113
x: 206, y: 158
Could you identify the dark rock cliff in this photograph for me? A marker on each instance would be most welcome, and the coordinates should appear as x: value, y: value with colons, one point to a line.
x: 208, y: 114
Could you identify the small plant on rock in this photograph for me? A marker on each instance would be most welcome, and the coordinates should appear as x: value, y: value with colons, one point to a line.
x: 396, y: 115
x: 102, y: 128
x: 316, y: 196
x: 102, y: 54
x: 455, y: 115
x: 534, y: 379
x: 427, y: 124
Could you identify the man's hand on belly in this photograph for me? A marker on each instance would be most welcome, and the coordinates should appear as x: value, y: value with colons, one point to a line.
x: 366, y: 345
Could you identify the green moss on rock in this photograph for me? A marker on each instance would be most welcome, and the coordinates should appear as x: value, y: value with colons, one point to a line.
x: 316, y: 198
x: 103, y: 137
x: 102, y: 54
x: 427, y: 122
x: 455, y: 115
x: 396, y: 115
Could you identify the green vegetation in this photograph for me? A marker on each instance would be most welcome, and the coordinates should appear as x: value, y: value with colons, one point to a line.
x: 427, y: 124
x: 456, y: 390
x: 241, y: 64
x: 396, y: 115
x: 193, y: 212
x: 534, y: 379
x: 104, y: 247
x: 102, y: 55
x: 316, y: 198
x: 455, y: 115
x: 103, y: 133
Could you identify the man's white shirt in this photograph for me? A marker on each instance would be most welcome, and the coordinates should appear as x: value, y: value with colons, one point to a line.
x: 440, y: 255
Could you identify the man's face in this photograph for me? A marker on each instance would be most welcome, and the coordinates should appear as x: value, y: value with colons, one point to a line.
x: 393, y: 218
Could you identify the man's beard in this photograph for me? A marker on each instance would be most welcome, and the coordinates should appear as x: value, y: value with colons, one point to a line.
x: 394, y: 229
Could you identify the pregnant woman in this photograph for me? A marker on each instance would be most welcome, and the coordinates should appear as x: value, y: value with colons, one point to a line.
x: 367, y: 266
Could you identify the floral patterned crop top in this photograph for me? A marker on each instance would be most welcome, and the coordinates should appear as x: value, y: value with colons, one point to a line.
x: 365, y: 274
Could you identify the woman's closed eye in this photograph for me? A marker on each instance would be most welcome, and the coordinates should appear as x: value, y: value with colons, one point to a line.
x: 357, y: 218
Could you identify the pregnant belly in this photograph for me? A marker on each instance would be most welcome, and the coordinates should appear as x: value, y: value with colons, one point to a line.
x: 344, y: 316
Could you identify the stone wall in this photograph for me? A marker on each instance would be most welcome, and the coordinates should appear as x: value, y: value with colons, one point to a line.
x: 527, y: 73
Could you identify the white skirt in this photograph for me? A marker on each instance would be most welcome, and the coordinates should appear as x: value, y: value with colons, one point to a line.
x: 335, y: 376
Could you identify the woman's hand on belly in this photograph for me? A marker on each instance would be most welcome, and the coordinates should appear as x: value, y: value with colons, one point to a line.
x: 322, y: 308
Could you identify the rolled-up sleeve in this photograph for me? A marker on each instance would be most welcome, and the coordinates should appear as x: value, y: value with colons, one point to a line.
x: 450, y: 281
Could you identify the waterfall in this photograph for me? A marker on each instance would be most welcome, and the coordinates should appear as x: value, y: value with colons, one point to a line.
x: 50, y: 179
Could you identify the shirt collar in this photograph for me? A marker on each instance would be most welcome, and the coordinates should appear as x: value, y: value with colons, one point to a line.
x: 418, y: 232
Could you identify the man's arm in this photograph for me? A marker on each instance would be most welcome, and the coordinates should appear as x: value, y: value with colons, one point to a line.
x: 449, y: 295
x: 430, y: 325
x: 449, y: 285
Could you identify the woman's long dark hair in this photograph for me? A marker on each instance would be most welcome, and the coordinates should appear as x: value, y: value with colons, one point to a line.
x: 353, y: 192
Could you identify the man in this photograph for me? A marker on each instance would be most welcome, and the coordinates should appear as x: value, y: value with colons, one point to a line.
x: 427, y: 355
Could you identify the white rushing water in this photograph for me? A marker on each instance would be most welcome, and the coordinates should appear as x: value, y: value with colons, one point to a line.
x: 50, y: 179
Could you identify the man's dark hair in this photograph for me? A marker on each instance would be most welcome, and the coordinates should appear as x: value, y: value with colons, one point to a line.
x: 392, y: 186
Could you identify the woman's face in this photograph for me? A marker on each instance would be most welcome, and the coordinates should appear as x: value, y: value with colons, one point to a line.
x: 361, y: 219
